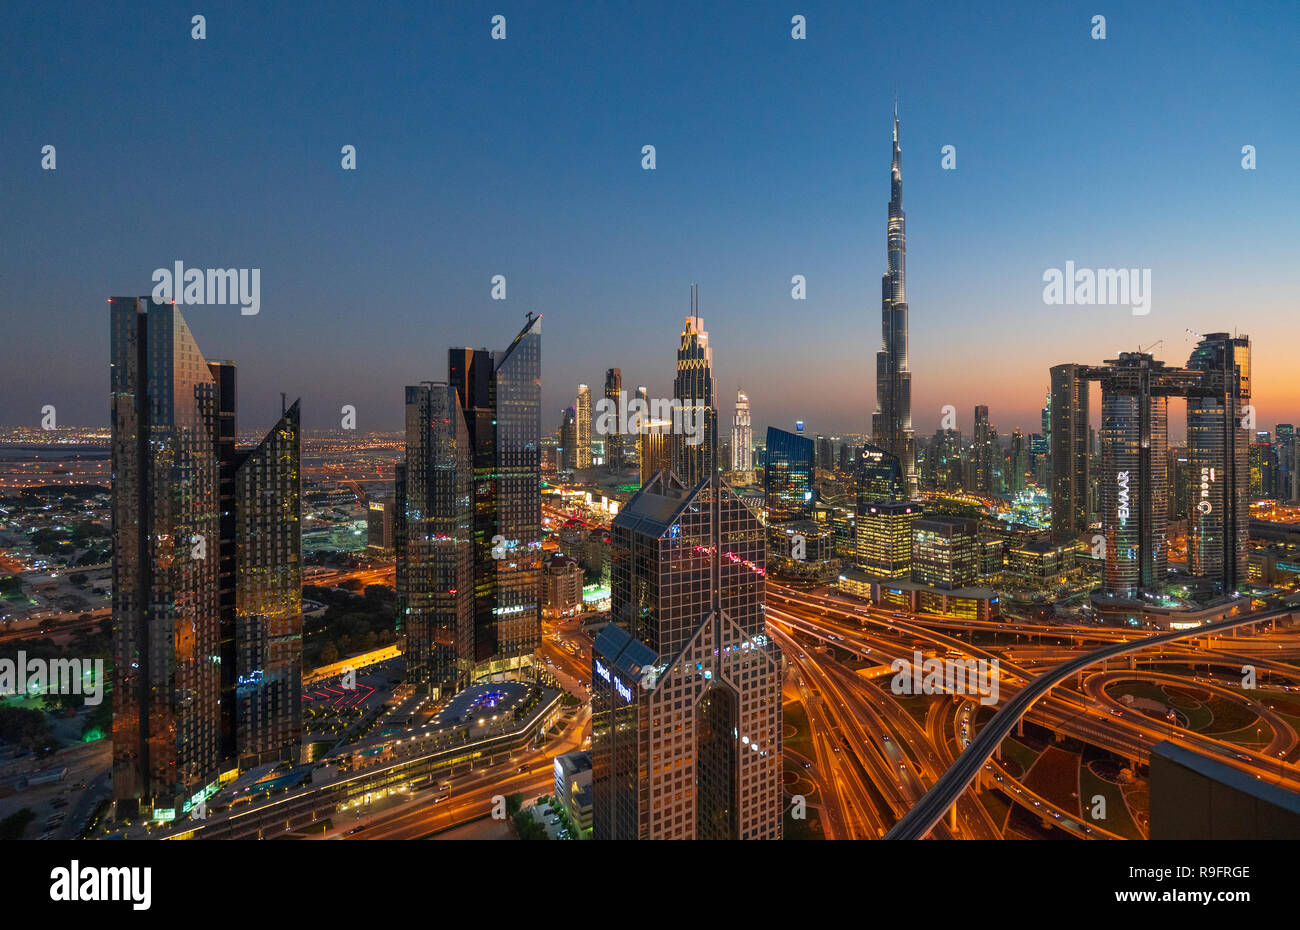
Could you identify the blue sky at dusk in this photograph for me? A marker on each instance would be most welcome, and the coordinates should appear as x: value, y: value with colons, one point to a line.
x: 523, y: 157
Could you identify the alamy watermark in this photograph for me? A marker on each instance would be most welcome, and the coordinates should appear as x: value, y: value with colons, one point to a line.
x: 1123, y: 287
x: 656, y: 414
x: 946, y: 676
x: 203, y: 286
x: 52, y: 676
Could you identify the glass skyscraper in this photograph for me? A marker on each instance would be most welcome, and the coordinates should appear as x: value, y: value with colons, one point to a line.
x: 500, y: 397
x: 1218, y: 444
x: 788, y: 476
x: 207, y: 610
x: 436, y: 543
x: 686, y: 685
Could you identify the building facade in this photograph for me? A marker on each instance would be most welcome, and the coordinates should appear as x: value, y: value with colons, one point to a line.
x: 207, y: 584
x: 686, y: 684
x: 695, y: 457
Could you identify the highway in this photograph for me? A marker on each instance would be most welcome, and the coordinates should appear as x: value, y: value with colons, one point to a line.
x: 923, y: 817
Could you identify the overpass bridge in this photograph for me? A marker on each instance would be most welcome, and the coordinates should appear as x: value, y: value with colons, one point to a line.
x: 930, y: 809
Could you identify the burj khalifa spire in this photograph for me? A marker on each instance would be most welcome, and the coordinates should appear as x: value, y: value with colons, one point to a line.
x: 891, y: 424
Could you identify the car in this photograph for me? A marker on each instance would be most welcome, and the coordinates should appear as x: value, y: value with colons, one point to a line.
x: 885, y: 737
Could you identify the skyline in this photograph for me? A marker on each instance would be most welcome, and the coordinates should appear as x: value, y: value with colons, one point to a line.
x: 1015, y: 554
x: 769, y: 175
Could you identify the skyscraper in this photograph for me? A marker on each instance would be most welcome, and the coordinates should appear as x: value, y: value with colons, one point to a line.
x: 654, y: 449
x: 788, y: 476
x: 1134, y: 488
x: 207, y: 585
x: 880, y: 477
x: 436, y: 546
x: 614, y: 457
x: 686, y: 685
x: 582, y: 412
x: 891, y: 424
x: 1068, y: 437
x: 742, y: 436
x: 500, y: 398
x: 982, y: 454
x: 1134, y: 483
x: 1017, y: 461
x: 568, y: 448
x: 695, y: 457
x: 884, y: 538
x: 1217, y: 451
x: 267, y: 545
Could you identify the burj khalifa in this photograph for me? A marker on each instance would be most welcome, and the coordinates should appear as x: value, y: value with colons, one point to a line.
x: 891, y: 424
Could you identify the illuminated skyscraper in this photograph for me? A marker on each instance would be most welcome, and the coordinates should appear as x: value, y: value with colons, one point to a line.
x: 880, y: 477
x: 891, y: 424
x: 582, y: 411
x: 614, y: 456
x: 1218, y: 444
x: 654, y: 448
x: 207, y: 585
x: 500, y: 398
x: 1134, y: 488
x: 436, y: 547
x: 695, y: 457
x: 945, y: 552
x: 884, y: 532
x: 268, y: 596
x: 983, y: 453
x: 568, y: 447
x: 742, y: 436
x: 1017, y: 461
x: 1068, y: 437
x: 686, y: 685
x: 788, y: 476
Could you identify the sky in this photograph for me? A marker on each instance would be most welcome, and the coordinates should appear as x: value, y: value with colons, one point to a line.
x: 522, y: 157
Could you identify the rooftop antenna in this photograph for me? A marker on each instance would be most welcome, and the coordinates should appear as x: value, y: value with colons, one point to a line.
x: 283, y: 401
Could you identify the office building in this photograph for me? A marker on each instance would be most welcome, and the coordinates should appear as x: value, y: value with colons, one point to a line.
x: 207, y: 583
x: 573, y: 787
x: 880, y: 477
x: 1218, y: 447
x: 885, y: 538
x: 686, y: 685
x: 500, y: 399
x: 945, y: 552
x: 654, y: 448
x: 435, y: 555
x: 614, y: 439
x: 788, y: 476
x: 1068, y: 436
x: 379, y: 524
x: 983, y: 452
x: 568, y: 447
